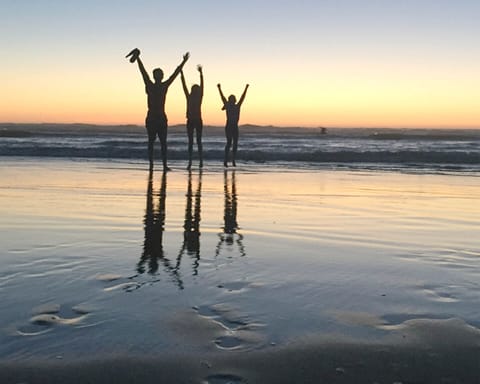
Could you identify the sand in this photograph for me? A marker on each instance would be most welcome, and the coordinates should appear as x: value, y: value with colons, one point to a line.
x: 263, y: 274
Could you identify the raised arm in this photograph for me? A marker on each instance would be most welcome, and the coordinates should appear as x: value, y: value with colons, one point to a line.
x: 146, y: 78
x: 134, y: 55
x: 200, y: 69
x: 243, y: 95
x: 178, y: 69
x: 221, y: 94
x: 184, y: 84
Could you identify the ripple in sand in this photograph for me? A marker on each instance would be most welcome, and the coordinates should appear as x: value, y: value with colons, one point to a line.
x: 50, y: 319
x: 235, y: 286
x: 224, y: 314
x: 436, y: 332
x: 229, y: 342
x: 128, y: 287
x: 239, y: 333
x: 224, y: 379
x: 444, y: 294
x: 46, y: 317
x: 108, y: 277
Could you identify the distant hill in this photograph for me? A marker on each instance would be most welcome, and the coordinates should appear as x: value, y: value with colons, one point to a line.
x: 20, y: 129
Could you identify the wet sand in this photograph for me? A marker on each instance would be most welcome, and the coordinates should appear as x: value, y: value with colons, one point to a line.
x: 264, y: 274
x: 315, y: 361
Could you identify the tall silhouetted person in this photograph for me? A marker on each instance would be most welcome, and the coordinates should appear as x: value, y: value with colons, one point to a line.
x: 154, y: 225
x: 232, y: 109
x: 194, y: 115
x: 156, y: 121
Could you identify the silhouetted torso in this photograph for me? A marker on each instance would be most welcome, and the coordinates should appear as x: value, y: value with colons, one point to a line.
x: 156, y: 96
x: 233, y: 114
x: 194, y: 108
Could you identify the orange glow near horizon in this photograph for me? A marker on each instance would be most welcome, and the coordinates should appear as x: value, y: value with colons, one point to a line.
x: 340, y: 97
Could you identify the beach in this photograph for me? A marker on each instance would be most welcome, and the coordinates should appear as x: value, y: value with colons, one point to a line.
x: 259, y: 274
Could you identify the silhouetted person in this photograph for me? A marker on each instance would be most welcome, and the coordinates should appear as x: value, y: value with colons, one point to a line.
x: 194, y: 115
x: 156, y: 121
x: 229, y: 236
x: 232, y: 109
x: 154, y: 225
x: 191, y: 225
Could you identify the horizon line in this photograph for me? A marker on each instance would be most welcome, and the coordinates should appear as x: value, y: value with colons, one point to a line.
x: 250, y: 125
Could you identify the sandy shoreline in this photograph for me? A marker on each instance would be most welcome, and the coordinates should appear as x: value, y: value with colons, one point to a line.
x: 316, y: 361
x: 259, y: 275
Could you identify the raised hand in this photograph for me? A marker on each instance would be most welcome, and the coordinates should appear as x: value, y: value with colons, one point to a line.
x: 186, y: 56
x: 199, y: 68
x: 134, y: 53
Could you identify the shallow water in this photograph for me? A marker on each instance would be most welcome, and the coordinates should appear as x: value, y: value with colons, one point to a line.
x: 103, y: 258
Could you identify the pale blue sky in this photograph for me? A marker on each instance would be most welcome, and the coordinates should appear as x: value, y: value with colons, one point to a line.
x: 276, y: 45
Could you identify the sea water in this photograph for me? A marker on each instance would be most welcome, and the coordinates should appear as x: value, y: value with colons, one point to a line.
x: 423, y: 149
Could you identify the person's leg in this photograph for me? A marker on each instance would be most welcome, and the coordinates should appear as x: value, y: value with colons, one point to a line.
x: 150, y: 126
x: 199, y: 142
x: 190, y: 128
x: 235, y: 145
x: 150, y: 152
x: 162, y: 135
x: 228, y: 134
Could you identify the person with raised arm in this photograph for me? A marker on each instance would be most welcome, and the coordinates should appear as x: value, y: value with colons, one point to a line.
x: 194, y: 115
x: 232, y: 109
x: 156, y: 121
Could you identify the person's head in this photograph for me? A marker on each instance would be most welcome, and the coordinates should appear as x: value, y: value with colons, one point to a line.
x: 158, y: 75
x: 232, y: 99
x: 196, y: 90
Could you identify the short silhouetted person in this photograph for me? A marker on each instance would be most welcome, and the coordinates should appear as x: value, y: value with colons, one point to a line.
x: 232, y: 109
x: 230, y: 235
x: 156, y: 121
x: 194, y: 115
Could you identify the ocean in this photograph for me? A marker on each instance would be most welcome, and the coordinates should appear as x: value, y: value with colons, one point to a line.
x: 404, y: 149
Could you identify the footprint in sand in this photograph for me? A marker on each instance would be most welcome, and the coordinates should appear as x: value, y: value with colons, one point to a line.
x: 238, y: 332
x: 48, y: 316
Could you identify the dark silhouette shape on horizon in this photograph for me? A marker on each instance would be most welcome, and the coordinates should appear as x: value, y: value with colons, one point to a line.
x: 230, y: 235
x: 191, y: 225
x: 156, y: 121
x: 194, y: 116
x: 232, y: 109
x: 154, y: 226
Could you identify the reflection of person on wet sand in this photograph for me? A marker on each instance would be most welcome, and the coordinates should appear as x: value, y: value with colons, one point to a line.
x: 232, y: 109
x: 154, y: 224
x: 156, y: 121
x: 230, y: 235
x: 194, y: 115
x: 191, y: 226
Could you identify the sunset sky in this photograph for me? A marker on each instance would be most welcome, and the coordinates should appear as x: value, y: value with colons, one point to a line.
x: 335, y: 63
